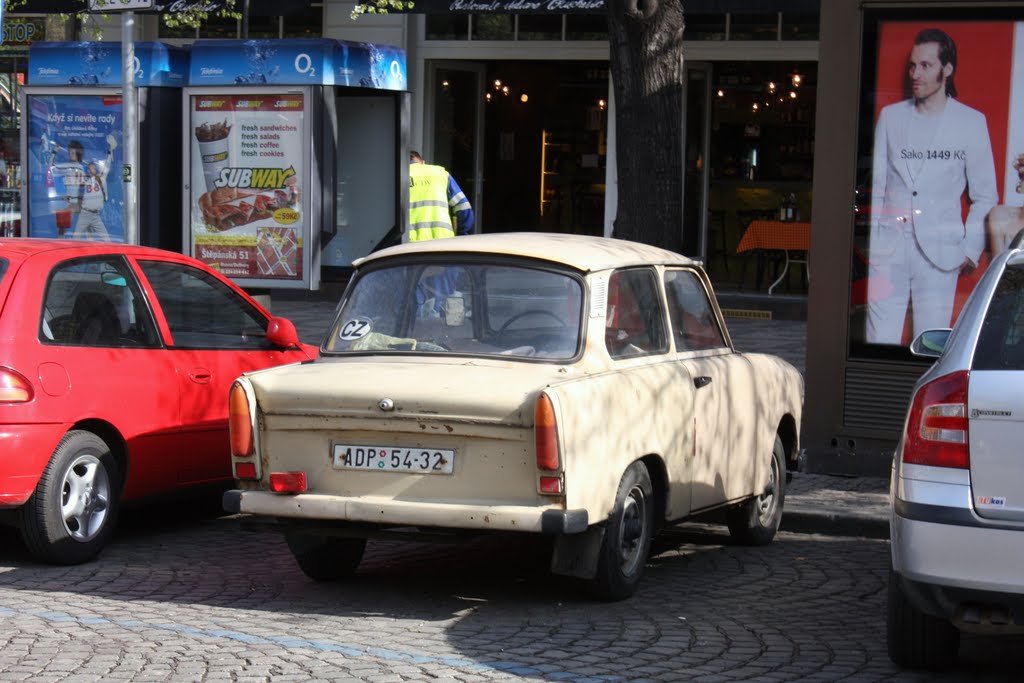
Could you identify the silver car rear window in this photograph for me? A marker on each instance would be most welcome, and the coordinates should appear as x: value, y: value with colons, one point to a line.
x: 1001, y: 340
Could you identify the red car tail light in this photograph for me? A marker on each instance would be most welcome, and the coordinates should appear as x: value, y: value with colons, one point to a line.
x: 546, y: 431
x: 551, y: 485
x: 287, y: 482
x: 14, y: 388
x: 245, y: 470
x: 936, y: 431
x: 239, y: 425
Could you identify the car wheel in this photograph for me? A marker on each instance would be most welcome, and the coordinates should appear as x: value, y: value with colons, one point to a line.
x: 915, y: 639
x: 71, y: 514
x: 756, y: 521
x: 326, y: 558
x: 627, y: 536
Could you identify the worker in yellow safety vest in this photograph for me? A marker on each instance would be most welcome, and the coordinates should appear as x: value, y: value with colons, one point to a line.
x: 437, y: 206
x: 437, y: 209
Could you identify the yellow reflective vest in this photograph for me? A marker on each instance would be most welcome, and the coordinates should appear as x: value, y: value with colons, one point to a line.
x: 428, y: 203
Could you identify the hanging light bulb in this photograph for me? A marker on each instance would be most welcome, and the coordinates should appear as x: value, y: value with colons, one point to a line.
x: 721, y: 93
x: 792, y: 95
x: 771, y: 86
x: 601, y: 104
x: 797, y: 78
x: 497, y: 84
x: 524, y: 97
x: 754, y: 106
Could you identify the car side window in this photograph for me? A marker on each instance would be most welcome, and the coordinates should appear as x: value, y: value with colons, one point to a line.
x: 634, y: 318
x: 202, y: 312
x: 1001, y: 340
x: 694, y: 324
x: 96, y: 302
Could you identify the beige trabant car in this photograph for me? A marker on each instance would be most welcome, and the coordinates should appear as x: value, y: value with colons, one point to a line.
x: 579, y: 387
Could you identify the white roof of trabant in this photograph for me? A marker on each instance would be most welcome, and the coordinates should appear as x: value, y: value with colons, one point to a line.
x: 577, y: 251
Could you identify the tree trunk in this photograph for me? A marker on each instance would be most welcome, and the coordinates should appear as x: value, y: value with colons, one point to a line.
x: 646, y: 55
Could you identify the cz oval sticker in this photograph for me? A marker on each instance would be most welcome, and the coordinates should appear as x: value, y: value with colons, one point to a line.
x: 355, y: 329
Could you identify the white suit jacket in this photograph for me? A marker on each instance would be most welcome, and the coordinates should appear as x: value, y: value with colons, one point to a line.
x: 923, y: 187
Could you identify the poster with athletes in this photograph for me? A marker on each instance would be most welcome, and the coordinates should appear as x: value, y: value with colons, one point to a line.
x: 941, y: 120
x: 74, y: 159
x: 247, y: 171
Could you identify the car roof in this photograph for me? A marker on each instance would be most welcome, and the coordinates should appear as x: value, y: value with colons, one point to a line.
x: 21, y: 248
x: 582, y: 252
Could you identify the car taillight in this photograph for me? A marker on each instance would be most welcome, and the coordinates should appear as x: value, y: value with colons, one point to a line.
x: 14, y: 388
x: 239, y: 425
x: 287, y: 482
x: 546, y: 431
x: 937, y: 426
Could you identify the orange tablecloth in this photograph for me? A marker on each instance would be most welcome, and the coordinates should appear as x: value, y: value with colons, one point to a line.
x: 785, y: 235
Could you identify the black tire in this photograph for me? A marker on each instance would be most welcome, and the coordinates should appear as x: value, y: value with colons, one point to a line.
x: 326, y: 558
x: 915, y: 639
x: 627, y: 536
x: 756, y: 521
x: 72, y: 513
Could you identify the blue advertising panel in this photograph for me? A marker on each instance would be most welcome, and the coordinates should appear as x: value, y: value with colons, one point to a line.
x: 99, y: 63
x: 298, y: 62
x: 73, y: 144
x: 367, y: 65
x: 262, y: 62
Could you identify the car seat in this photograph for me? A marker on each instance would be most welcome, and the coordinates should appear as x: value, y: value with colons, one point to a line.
x: 95, y: 320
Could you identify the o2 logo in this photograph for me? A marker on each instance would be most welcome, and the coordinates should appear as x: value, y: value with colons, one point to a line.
x: 396, y: 69
x: 137, y: 72
x: 304, y: 65
x: 355, y: 329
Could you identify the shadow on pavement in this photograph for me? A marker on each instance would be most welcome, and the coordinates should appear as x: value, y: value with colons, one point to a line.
x: 802, y: 606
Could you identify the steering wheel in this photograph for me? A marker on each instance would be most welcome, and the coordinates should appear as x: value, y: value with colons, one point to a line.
x: 532, y: 311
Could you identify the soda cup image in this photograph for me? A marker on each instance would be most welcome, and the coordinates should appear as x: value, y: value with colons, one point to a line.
x: 213, y: 150
x: 63, y: 220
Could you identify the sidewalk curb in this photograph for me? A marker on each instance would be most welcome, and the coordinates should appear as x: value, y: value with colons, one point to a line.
x: 834, y: 524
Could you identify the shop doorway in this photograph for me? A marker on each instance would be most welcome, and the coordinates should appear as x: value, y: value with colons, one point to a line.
x: 526, y: 140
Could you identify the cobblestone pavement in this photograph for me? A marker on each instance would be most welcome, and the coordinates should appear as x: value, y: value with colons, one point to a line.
x: 200, y: 599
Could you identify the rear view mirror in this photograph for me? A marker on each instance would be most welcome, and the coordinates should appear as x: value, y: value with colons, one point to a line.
x: 454, y: 311
x: 930, y: 343
x: 113, y: 279
x: 281, y: 333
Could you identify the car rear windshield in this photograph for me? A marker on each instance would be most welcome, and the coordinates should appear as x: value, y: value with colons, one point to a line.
x: 464, y: 308
x: 1001, y: 340
x: 3, y: 267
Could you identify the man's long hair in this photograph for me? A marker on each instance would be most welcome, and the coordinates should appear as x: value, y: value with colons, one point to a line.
x: 947, y: 52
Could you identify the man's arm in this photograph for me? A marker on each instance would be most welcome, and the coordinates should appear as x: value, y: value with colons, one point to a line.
x: 459, y: 206
x: 879, y: 168
x: 981, y: 188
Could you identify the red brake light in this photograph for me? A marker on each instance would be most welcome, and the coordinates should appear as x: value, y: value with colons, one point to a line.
x: 287, y: 482
x: 546, y: 431
x: 936, y: 431
x: 245, y: 470
x: 550, y: 484
x: 239, y: 426
x: 14, y: 388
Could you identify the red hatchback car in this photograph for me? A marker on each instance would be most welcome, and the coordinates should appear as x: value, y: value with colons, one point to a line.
x: 115, y: 367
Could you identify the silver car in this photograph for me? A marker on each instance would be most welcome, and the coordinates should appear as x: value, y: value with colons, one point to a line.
x: 957, y: 491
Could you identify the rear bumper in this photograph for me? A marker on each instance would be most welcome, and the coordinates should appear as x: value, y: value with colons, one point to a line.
x: 25, y: 449
x: 371, y: 510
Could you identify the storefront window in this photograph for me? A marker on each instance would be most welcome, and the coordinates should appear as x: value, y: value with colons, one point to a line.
x: 494, y: 27
x: 700, y: 26
x: 447, y: 27
x: 586, y: 27
x: 754, y: 26
x: 939, y: 189
x: 800, y: 26
x: 304, y: 23
x: 540, y: 27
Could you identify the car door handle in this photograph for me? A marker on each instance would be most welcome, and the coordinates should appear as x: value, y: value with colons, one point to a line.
x: 200, y: 376
x: 701, y: 381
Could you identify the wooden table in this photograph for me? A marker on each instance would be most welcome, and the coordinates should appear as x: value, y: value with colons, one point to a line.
x: 784, y: 236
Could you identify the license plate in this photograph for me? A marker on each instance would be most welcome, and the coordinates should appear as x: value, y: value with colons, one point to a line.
x: 385, y: 459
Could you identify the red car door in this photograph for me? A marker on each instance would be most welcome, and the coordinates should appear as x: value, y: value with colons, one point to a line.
x: 214, y: 333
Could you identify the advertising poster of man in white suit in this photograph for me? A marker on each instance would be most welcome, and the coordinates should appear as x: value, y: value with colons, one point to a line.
x: 929, y: 150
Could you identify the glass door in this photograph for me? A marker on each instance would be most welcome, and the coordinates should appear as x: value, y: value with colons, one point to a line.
x: 456, y: 126
x: 696, y: 123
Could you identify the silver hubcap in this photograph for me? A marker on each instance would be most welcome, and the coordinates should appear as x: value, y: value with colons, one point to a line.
x: 85, y: 498
x: 768, y: 501
x: 632, y: 534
